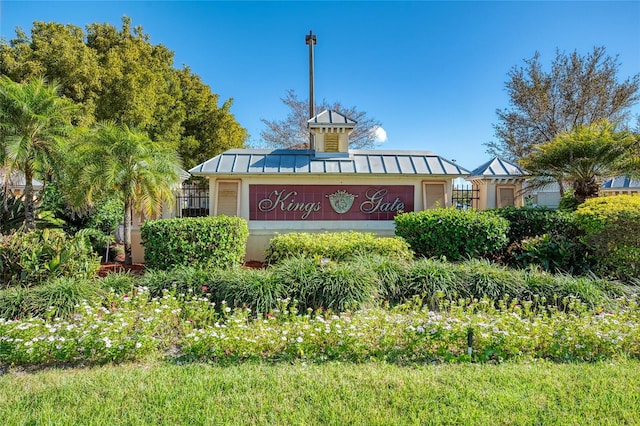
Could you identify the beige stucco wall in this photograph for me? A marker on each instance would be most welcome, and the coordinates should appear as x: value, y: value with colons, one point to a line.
x: 488, y: 192
x: 260, y: 232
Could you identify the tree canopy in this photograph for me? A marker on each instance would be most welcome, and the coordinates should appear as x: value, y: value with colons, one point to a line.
x: 120, y: 75
x: 293, y: 132
x: 583, y: 158
x: 576, y: 91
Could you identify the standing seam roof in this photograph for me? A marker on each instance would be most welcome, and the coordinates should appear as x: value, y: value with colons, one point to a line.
x: 304, y: 161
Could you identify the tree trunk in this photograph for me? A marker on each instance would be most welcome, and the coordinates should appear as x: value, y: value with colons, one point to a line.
x: 29, y: 213
x: 127, y: 232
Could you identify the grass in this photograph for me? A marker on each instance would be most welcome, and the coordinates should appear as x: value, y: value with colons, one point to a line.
x: 329, y: 394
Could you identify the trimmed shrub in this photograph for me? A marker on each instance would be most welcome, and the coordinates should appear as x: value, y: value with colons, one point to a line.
x: 527, y: 222
x: 337, y: 246
x: 208, y: 242
x: 453, y: 233
x: 553, y: 252
x: 612, y: 228
x: 545, y: 237
x: 34, y: 257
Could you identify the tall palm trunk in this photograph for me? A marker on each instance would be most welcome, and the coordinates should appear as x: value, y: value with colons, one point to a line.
x: 29, y: 209
x: 128, y: 260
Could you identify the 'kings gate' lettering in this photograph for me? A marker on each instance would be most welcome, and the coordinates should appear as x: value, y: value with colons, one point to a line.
x: 376, y: 202
x: 329, y: 202
x: 285, y: 202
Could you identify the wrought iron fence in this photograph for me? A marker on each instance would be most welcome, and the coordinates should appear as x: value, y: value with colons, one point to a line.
x: 465, y: 197
x: 194, y: 199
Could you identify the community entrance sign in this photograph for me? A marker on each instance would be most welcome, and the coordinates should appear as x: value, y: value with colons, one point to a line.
x: 329, y: 202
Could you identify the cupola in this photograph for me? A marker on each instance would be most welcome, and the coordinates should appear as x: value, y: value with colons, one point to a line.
x: 331, y: 131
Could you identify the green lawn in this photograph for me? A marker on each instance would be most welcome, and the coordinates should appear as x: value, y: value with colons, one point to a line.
x: 328, y: 394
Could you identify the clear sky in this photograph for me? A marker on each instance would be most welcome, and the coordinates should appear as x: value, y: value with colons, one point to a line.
x: 432, y: 72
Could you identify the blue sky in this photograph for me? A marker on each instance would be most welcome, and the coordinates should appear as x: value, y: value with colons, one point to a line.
x: 432, y: 72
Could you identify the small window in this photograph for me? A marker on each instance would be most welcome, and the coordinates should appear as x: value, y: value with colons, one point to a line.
x: 227, y: 198
x: 434, y: 195
x: 506, y: 196
x: 331, y: 142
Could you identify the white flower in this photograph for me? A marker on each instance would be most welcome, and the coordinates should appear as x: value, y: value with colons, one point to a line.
x: 299, y: 339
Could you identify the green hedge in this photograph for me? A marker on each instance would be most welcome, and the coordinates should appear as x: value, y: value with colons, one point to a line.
x: 30, y: 258
x: 337, y: 246
x: 453, y: 233
x: 612, y: 228
x: 527, y: 222
x: 209, y: 242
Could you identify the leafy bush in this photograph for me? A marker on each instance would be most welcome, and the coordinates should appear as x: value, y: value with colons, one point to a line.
x: 554, y: 252
x: 208, y: 242
x: 33, y: 257
x: 11, y: 211
x: 612, y: 228
x: 452, y: 233
x: 337, y: 246
x: 545, y: 237
x: 568, y: 202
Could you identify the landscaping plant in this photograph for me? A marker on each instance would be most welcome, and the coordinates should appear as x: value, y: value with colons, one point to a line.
x: 453, y: 233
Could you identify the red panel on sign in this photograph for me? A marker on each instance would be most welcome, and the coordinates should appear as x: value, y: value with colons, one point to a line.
x: 329, y: 202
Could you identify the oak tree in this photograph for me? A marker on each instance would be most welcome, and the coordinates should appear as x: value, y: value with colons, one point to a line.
x: 576, y: 91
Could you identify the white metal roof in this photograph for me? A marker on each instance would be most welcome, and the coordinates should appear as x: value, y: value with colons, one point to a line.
x: 367, y: 162
x: 331, y: 117
x: 621, y: 182
x: 498, y: 167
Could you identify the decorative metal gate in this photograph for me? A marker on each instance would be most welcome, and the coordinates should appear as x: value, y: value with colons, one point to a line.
x: 194, y: 199
x: 465, y: 197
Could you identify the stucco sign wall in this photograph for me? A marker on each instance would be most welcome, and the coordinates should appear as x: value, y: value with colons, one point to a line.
x: 329, y: 202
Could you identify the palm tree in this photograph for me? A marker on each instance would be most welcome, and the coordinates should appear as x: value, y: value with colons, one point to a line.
x: 583, y: 157
x: 33, y: 120
x: 114, y: 158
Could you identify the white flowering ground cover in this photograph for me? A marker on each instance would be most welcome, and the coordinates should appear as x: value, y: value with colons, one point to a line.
x: 135, y: 327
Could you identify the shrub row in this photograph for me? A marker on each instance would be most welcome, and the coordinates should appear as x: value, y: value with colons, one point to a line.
x: 339, y: 286
x: 452, y: 233
x: 336, y: 246
x: 367, y: 280
x: 208, y: 242
x: 30, y: 258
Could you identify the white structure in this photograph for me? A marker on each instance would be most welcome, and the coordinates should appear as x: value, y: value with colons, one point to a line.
x: 330, y: 188
x: 499, y: 184
x: 15, y: 183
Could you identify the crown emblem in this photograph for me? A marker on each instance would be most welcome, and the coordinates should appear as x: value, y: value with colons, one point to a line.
x: 341, y: 201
